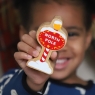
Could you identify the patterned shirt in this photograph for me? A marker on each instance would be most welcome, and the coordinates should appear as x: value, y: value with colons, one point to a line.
x: 14, y: 83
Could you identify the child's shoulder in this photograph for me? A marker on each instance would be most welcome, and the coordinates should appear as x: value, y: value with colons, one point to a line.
x: 88, y: 89
x: 11, y: 80
x: 11, y: 71
x: 9, y: 75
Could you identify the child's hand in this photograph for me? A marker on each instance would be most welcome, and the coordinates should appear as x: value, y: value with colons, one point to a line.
x: 29, y: 48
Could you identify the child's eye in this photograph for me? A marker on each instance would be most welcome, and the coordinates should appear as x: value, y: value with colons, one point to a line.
x: 71, y: 34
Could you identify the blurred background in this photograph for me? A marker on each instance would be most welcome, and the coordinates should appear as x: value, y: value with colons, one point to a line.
x: 9, y: 37
x: 9, y: 29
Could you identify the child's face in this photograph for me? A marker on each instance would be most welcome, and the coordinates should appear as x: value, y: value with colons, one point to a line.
x: 78, y: 39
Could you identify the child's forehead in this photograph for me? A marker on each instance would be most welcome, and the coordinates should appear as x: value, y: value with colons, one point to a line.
x: 53, y: 3
x: 45, y: 6
x: 40, y: 3
x: 59, y: 1
x: 46, y: 13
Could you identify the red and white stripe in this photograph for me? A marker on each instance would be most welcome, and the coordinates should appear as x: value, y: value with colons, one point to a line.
x: 44, y: 55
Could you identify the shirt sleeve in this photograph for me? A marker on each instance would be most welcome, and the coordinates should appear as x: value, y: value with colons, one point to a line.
x: 4, y: 80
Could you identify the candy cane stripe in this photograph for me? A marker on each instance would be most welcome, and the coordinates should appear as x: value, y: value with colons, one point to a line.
x: 47, y: 49
x: 43, y: 59
x: 45, y: 54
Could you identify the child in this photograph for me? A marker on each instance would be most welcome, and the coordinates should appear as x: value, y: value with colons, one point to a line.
x: 76, y: 16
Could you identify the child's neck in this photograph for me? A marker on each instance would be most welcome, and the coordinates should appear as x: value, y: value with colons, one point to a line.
x: 74, y: 79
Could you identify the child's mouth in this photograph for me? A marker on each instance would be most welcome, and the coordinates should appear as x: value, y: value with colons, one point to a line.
x: 61, y: 63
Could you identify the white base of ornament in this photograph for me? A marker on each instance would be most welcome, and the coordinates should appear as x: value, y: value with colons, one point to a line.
x: 41, y: 66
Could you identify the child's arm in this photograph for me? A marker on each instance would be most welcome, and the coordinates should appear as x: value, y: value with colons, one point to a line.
x: 29, y: 48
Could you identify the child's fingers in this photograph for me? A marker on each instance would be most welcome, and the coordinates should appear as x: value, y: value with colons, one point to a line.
x: 22, y: 58
x: 26, y: 48
x: 33, y: 34
x: 53, y: 55
x: 30, y: 41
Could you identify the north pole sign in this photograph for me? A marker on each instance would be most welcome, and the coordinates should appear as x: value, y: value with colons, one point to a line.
x: 52, y: 37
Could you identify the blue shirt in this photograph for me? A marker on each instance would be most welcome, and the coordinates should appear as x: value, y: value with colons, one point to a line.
x: 14, y: 83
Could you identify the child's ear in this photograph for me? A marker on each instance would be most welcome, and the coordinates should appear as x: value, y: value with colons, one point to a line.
x: 22, y: 31
x: 88, y: 39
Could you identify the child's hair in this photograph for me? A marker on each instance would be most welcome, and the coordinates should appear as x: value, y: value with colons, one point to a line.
x: 25, y: 8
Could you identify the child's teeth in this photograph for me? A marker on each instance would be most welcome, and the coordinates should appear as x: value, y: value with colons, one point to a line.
x: 61, y: 61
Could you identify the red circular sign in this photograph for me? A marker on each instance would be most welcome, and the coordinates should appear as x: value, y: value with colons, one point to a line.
x: 51, y: 40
